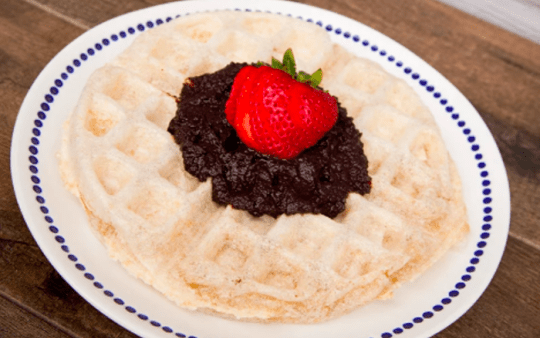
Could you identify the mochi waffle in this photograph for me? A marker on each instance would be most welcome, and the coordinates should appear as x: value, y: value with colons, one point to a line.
x: 162, y: 225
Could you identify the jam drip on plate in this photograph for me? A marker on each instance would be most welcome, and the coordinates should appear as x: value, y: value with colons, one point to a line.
x: 317, y: 181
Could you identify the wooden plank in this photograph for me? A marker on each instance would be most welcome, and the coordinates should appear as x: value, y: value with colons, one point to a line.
x: 15, y: 322
x: 91, y: 13
x: 28, y: 40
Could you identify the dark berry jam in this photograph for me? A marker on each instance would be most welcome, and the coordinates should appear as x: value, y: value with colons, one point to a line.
x: 316, y: 181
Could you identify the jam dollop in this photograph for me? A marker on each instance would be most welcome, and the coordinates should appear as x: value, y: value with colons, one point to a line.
x: 317, y: 181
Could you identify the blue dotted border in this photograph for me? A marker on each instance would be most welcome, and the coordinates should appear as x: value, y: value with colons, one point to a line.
x: 54, y: 90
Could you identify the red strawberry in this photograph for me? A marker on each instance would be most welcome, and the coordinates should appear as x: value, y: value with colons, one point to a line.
x: 277, y: 115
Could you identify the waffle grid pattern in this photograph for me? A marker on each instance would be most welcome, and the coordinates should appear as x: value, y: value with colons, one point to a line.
x: 300, y: 268
x: 124, y: 147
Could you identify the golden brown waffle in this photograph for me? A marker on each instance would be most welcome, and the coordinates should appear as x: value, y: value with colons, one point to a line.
x: 162, y: 225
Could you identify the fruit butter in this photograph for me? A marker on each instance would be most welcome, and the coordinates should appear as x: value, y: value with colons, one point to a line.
x: 317, y: 181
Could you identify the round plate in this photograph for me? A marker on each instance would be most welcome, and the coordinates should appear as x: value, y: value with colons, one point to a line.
x: 59, y: 225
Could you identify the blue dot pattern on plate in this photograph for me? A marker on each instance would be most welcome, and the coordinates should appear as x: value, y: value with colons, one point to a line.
x: 424, y: 84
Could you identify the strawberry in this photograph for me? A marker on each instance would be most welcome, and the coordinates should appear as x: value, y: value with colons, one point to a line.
x: 278, y: 112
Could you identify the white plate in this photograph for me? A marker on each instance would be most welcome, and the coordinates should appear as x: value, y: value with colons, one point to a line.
x: 59, y: 225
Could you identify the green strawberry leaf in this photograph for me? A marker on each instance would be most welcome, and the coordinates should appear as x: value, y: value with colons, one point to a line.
x: 289, y: 66
x: 316, y: 78
x: 260, y: 63
x: 276, y: 64
x: 303, y: 77
x: 288, y: 62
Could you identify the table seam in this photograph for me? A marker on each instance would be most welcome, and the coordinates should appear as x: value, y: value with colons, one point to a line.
x: 37, y: 314
x: 524, y: 240
x: 59, y: 15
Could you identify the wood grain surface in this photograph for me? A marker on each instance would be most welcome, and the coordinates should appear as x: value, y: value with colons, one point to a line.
x: 497, y: 71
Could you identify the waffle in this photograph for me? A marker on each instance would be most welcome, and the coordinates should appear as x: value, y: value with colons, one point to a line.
x: 161, y: 223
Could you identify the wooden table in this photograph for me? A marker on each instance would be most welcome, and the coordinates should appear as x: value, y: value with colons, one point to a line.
x: 497, y: 71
